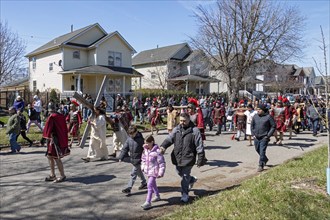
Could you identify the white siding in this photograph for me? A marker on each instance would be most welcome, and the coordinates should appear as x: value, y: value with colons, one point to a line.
x: 71, y: 63
x: 46, y: 79
x: 92, y: 57
x: 146, y: 70
x: 222, y: 84
x: 114, y: 44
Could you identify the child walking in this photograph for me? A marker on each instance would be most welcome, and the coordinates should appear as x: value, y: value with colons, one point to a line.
x: 134, y: 145
x: 153, y: 165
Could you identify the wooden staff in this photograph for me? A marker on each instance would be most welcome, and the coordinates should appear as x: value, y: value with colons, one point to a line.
x: 81, y: 99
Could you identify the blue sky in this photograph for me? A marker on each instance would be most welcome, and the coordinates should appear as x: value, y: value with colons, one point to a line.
x: 144, y: 24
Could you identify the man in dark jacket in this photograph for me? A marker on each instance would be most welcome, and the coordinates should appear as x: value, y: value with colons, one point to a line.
x: 313, y: 113
x: 262, y: 128
x: 188, y: 145
x: 134, y: 145
x: 22, y: 119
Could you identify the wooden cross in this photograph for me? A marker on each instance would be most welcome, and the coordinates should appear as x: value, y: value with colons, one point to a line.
x: 81, y: 99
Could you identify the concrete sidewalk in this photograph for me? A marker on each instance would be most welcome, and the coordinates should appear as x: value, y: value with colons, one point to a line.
x: 93, y: 190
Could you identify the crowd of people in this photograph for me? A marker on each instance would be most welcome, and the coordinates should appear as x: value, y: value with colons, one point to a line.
x: 187, y: 122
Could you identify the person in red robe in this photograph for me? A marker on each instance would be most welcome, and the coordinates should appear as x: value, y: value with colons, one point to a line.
x: 56, y: 134
x: 196, y: 116
x: 279, y: 117
x: 289, y: 112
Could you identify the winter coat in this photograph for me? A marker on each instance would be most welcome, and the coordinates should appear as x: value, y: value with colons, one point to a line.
x: 187, y: 144
x: 153, y: 162
x: 13, y: 125
x: 313, y: 112
x: 135, y: 148
x: 22, y: 119
x: 262, y: 126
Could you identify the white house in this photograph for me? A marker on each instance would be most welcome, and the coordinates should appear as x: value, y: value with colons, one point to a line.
x: 77, y: 61
x: 173, y: 67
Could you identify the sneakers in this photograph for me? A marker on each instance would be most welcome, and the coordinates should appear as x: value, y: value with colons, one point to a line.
x: 193, y: 180
x: 126, y: 190
x: 143, y: 186
x: 31, y: 143
x: 185, y: 198
x: 146, y: 205
x: 156, y: 199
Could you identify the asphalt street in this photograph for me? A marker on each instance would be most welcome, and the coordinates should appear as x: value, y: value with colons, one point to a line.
x: 93, y: 190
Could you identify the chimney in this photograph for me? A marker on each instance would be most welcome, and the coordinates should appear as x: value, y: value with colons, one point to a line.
x: 71, y: 27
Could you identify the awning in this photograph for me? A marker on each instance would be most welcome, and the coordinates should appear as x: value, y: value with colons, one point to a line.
x: 195, y: 78
x: 103, y: 70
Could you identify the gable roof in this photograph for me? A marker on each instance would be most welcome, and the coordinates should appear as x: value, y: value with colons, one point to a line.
x: 158, y: 54
x: 308, y: 71
x: 58, y: 41
x: 16, y: 82
x: 194, y: 78
x: 318, y: 80
x: 100, y: 41
x: 106, y: 70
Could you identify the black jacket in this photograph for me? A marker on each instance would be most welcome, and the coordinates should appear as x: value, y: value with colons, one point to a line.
x: 187, y: 144
x: 135, y: 148
x: 262, y: 126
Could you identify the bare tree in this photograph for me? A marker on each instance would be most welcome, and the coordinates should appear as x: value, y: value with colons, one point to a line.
x: 159, y: 73
x: 324, y: 74
x: 12, y: 51
x: 237, y: 34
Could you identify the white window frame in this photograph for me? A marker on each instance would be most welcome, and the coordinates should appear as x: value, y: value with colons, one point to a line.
x: 76, y: 54
x: 153, y: 75
x: 114, y: 58
x: 34, y: 63
x: 51, y: 67
x: 34, y: 85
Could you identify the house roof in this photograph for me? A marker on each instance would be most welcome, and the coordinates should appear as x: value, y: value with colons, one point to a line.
x: 157, y: 55
x: 308, y: 70
x: 56, y: 42
x: 17, y: 82
x: 104, y: 70
x: 194, y: 78
x: 109, y: 36
x: 66, y: 38
x: 318, y: 80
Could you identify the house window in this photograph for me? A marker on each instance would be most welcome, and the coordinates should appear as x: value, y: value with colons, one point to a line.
x: 34, y: 85
x: 76, y: 54
x: 114, y: 58
x: 34, y: 63
x: 153, y: 75
x: 50, y: 67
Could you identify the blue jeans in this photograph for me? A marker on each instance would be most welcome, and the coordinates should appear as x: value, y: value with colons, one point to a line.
x: 315, y: 124
x: 85, y: 114
x: 184, y: 173
x: 13, y: 143
x: 136, y: 172
x: 261, y: 146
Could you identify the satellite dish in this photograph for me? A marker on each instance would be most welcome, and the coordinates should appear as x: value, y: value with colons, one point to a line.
x: 60, y: 62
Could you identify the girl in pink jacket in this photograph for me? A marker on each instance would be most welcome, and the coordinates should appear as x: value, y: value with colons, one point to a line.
x: 153, y: 165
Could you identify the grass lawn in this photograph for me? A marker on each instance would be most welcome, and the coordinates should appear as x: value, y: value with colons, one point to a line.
x: 295, y: 190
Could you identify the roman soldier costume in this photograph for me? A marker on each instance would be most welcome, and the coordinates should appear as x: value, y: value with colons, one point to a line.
x: 240, y: 120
